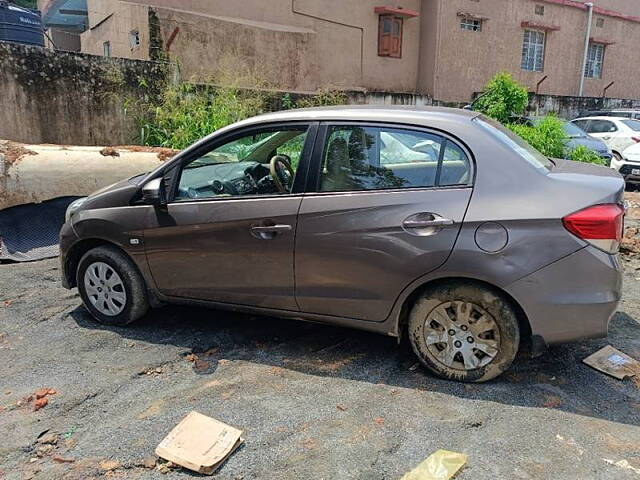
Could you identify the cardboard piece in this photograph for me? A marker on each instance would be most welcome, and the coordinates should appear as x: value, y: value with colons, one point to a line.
x: 440, y: 465
x: 614, y: 363
x: 200, y: 443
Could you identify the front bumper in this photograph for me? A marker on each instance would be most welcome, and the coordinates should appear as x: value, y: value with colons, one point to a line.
x: 68, y: 238
x: 626, y: 170
x: 573, y: 298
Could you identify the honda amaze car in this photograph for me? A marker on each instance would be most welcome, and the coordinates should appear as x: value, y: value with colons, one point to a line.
x: 435, y: 224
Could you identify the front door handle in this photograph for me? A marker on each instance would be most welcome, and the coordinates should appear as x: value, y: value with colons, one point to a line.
x: 272, y: 229
x: 269, y: 232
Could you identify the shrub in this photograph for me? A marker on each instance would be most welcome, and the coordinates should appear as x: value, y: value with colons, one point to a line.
x: 503, y: 99
x: 548, y: 136
x: 584, y: 154
x: 186, y: 113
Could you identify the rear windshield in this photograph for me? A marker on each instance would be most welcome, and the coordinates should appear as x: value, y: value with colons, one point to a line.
x: 632, y: 124
x: 515, y: 143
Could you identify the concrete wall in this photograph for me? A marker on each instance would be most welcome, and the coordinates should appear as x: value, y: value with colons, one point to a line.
x: 68, y: 98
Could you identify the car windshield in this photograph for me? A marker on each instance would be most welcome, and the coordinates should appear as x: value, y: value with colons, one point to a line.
x: 632, y: 124
x: 515, y: 142
x: 573, y: 131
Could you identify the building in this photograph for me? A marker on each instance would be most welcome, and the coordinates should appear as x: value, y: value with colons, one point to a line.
x: 444, y: 48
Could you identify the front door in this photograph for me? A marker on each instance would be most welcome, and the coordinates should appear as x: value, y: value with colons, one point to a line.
x: 227, y: 234
x: 388, y: 209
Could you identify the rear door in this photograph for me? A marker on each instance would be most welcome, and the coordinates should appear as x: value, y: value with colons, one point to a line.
x: 387, y: 208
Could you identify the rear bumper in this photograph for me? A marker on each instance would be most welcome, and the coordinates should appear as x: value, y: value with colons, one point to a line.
x: 573, y: 298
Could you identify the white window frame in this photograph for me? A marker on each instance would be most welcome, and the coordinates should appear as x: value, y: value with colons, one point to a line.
x: 595, y: 60
x: 533, y: 50
x: 471, y: 24
x: 106, y: 48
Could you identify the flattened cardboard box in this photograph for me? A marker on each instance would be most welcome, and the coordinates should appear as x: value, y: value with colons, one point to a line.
x: 613, y: 362
x: 200, y: 443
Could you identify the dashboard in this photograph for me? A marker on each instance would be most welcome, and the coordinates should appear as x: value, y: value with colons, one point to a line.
x: 231, y: 179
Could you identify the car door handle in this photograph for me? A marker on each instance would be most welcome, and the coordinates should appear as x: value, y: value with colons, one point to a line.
x: 272, y: 229
x: 436, y: 222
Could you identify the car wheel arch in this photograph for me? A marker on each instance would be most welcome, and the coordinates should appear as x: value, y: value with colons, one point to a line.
x: 79, y: 249
x: 403, y: 316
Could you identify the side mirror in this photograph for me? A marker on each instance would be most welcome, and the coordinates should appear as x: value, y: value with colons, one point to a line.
x: 153, y: 192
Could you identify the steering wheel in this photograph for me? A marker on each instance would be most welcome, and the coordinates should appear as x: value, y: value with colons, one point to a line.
x: 281, y: 173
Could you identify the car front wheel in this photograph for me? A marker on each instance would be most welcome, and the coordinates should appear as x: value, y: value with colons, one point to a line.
x: 111, y: 286
x: 463, y: 331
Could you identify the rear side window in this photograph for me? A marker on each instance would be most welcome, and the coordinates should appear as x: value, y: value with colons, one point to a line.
x: 375, y: 158
x: 632, y: 124
x: 581, y: 124
x: 601, y: 126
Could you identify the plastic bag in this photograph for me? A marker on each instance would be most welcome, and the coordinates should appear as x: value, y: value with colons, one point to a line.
x: 441, y: 465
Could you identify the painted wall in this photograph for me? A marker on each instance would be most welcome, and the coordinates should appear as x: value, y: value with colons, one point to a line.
x: 310, y: 44
x: 466, y: 59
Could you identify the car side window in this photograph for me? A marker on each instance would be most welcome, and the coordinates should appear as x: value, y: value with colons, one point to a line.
x: 583, y: 124
x: 377, y: 158
x: 263, y: 162
x: 602, y: 126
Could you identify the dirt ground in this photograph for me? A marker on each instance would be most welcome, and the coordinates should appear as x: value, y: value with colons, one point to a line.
x: 314, y: 401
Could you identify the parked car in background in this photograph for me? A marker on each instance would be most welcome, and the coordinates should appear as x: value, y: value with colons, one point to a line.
x: 436, y: 224
x: 618, y: 133
x: 629, y: 166
x: 620, y: 112
x: 578, y: 137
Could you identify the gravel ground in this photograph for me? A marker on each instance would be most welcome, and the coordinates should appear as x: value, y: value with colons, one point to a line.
x: 314, y: 401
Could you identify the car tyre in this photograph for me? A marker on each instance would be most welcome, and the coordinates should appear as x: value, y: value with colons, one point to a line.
x: 465, y: 332
x: 111, y: 286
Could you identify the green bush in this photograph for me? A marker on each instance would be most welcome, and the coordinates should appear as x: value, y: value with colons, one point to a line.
x: 182, y: 114
x: 503, y: 98
x: 186, y: 113
x: 584, y: 154
x: 548, y: 136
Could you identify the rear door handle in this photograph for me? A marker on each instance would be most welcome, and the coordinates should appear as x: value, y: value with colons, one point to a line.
x: 436, y: 222
x: 272, y: 229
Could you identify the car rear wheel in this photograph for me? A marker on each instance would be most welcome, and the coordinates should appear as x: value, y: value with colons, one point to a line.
x: 463, y: 331
x: 111, y: 286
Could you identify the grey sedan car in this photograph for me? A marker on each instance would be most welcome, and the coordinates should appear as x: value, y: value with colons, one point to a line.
x: 433, y: 224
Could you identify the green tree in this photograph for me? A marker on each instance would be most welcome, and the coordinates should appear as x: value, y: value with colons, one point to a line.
x: 503, y: 98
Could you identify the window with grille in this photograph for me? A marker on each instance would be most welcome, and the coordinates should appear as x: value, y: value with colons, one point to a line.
x: 595, y: 56
x: 600, y: 22
x: 472, y: 24
x: 533, y: 50
x: 539, y: 9
x: 390, y: 36
x: 134, y: 38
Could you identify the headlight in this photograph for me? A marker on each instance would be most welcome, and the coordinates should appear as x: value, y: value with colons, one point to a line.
x: 73, y: 208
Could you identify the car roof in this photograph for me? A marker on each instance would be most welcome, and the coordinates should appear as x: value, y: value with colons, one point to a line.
x: 602, y: 117
x: 408, y: 113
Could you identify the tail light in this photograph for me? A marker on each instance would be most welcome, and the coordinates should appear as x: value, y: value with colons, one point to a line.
x: 636, y: 139
x: 600, y: 225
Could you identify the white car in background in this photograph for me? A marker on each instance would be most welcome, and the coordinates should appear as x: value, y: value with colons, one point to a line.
x: 618, y: 133
x: 630, y: 164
